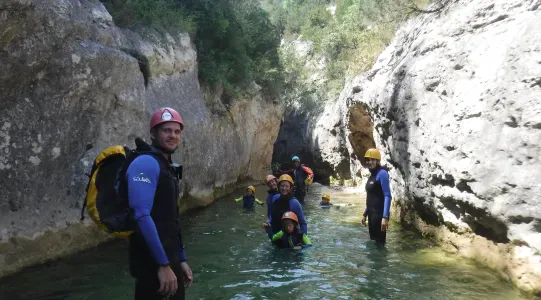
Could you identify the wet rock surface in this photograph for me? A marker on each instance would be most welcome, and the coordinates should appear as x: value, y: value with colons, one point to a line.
x: 455, y: 106
x: 72, y: 84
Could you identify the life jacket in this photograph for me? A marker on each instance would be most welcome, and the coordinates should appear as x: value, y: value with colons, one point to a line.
x: 248, y: 201
x: 290, y: 240
x: 375, y: 199
x: 166, y: 217
x: 106, y: 197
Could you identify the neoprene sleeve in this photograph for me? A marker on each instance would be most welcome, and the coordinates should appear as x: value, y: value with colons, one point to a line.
x: 383, y: 178
x: 142, y: 178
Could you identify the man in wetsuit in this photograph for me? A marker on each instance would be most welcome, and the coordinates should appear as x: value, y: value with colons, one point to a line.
x: 378, y: 198
x: 157, y: 256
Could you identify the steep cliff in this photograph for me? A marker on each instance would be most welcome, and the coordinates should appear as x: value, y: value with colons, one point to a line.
x: 454, y: 103
x: 72, y: 84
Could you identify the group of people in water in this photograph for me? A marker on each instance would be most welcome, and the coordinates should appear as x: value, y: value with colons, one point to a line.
x: 286, y: 225
x: 157, y: 258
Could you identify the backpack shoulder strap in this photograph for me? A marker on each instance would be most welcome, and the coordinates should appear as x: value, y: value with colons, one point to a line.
x: 142, y: 148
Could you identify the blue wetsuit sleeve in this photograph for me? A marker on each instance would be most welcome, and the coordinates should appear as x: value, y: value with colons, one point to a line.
x: 296, y: 207
x: 142, y: 179
x: 182, y: 256
x: 383, y: 178
x: 269, y: 233
x: 272, y: 201
x: 269, y: 202
x: 365, y: 212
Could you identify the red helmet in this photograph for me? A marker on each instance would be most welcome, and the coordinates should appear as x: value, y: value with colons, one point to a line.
x: 166, y: 114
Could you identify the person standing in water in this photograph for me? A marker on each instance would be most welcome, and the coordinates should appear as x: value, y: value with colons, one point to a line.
x: 291, y: 236
x: 249, y: 198
x: 325, y: 201
x: 300, y: 174
x: 272, y: 184
x: 378, y: 198
x: 156, y: 254
x: 282, y: 203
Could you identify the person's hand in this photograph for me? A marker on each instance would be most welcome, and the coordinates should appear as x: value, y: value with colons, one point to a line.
x: 384, y: 224
x: 188, y: 275
x: 266, y: 225
x: 297, y: 247
x: 168, y: 281
x: 363, y: 221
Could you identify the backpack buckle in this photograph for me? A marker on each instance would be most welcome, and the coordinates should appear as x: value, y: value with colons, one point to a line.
x: 177, y: 170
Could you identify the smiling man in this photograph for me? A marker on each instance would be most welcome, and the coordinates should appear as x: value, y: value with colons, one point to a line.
x: 157, y: 256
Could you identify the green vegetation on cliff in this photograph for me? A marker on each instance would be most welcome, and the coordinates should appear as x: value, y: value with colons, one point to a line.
x: 345, y: 38
x: 239, y: 41
x: 236, y: 42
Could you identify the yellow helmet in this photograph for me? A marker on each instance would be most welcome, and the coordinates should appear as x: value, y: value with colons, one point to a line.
x: 373, y: 153
x: 285, y: 177
x: 252, y: 188
x: 326, y: 196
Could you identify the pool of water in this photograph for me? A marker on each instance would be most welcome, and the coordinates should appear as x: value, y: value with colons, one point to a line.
x: 232, y: 258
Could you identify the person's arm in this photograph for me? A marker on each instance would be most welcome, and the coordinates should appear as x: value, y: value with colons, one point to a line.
x: 258, y: 201
x: 306, y: 241
x: 383, y: 178
x: 238, y: 199
x: 365, y: 212
x: 288, y: 172
x: 182, y: 255
x: 296, y: 207
x: 269, y: 205
x: 270, y: 209
x: 142, y: 179
x: 307, y: 171
x: 277, y: 236
x: 268, y: 230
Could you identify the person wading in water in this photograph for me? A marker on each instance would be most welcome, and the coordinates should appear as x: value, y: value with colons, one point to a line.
x: 378, y: 198
x: 282, y: 203
x: 157, y: 256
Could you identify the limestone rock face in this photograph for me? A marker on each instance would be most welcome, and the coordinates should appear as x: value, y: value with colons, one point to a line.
x: 72, y: 84
x: 455, y: 107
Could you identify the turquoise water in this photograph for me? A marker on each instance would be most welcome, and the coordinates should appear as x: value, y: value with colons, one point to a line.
x: 232, y: 259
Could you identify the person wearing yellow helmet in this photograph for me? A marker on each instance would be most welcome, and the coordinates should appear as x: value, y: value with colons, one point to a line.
x: 378, y: 197
x: 290, y: 236
x: 272, y: 184
x: 325, y: 201
x: 282, y: 203
x: 249, y: 198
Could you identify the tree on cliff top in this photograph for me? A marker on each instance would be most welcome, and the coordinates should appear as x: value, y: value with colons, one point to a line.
x: 236, y: 42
